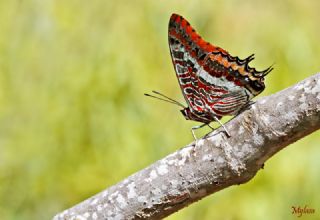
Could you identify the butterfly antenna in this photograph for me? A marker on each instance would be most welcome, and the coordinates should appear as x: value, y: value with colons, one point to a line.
x: 158, y: 93
x: 172, y: 101
x: 169, y: 101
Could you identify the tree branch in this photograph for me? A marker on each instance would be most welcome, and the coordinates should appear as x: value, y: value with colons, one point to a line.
x: 214, y: 162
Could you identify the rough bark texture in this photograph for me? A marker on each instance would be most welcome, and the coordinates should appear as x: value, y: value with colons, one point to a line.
x: 212, y: 163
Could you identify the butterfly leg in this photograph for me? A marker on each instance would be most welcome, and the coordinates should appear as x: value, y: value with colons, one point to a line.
x: 217, y: 120
x: 195, y: 128
x: 210, y: 127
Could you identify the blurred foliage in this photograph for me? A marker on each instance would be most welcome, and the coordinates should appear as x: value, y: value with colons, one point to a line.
x: 73, y: 118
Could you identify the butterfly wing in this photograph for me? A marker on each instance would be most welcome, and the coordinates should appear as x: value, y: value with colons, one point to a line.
x: 184, y: 54
x: 212, y: 81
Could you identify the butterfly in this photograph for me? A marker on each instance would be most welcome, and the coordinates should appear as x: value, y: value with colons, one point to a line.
x: 213, y: 82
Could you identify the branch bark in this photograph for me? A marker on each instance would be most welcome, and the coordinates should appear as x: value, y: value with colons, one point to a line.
x: 212, y: 163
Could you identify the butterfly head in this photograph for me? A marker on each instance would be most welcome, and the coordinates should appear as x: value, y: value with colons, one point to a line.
x: 186, y: 113
x: 199, y: 116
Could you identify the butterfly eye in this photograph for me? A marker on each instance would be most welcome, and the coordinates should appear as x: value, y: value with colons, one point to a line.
x: 183, y: 111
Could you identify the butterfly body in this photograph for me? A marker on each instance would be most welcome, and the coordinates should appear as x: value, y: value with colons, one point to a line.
x: 213, y: 82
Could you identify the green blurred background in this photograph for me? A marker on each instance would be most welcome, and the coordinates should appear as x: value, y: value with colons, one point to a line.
x: 73, y: 118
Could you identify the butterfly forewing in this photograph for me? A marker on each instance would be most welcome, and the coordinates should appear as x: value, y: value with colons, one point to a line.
x: 186, y: 67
